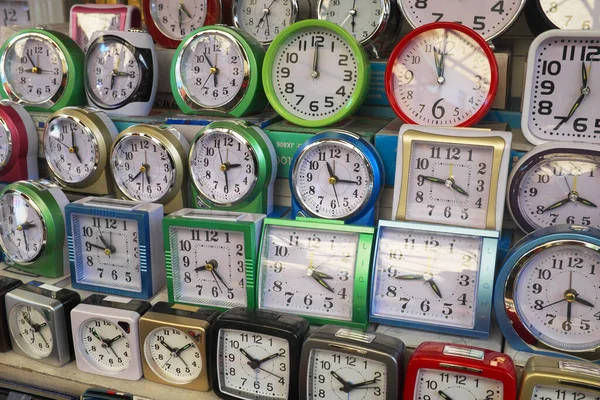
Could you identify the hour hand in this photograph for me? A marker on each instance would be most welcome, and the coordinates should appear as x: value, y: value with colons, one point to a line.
x: 248, y: 356
x: 410, y: 277
x: 459, y: 189
x: 434, y: 179
x: 339, y: 378
x: 557, y: 204
x: 435, y: 288
x: 320, y: 281
x: 586, y: 202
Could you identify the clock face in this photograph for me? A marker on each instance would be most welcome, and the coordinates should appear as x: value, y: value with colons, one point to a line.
x: 332, y: 375
x: 36, y: 335
x: 308, y: 272
x: 210, y: 267
x: 89, y: 22
x: 551, y: 392
x: 556, y: 295
x: 333, y: 180
x: 362, y: 19
x: 264, y: 21
x: 571, y: 14
x: 213, y: 69
x: 253, y: 365
x: 34, y: 68
x: 5, y: 144
x: 23, y: 232
x: 14, y: 13
x: 441, y: 77
x: 223, y: 167
x: 437, y: 384
x: 105, y: 345
x: 173, y: 355
x: 107, y: 252
x: 449, y: 183
x: 427, y: 277
x: 176, y: 19
x: 143, y: 168
x: 71, y: 150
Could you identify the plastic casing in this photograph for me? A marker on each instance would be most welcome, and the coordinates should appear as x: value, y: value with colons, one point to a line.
x: 6, y: 285
x: 22, y: 164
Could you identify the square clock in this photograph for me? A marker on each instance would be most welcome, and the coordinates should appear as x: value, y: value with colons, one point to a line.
x: 6, y: 285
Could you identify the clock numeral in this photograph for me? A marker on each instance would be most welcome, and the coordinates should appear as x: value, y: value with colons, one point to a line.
x: 551, y: 67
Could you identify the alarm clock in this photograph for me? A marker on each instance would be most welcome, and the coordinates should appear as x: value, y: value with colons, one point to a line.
x: 18, y: 144
x: 39, y: 318
x: 555, y: 183
x: 76, y: 147
x: 211, y: 257
x: 317, y: 269
x: 459, y: 95
x: 6, y: 285
x: 33, y: 237
x: 453, y: 371
x: 434, y: 277
x: 114, y: 247
x: 121, y: 72
x: 451, y: 176
x: 315, y: 73
x: 105, y: 332
x: 175, y: 342
x: 255, y: 354
x: 50, y: 74
x: 345, y: 363
x: 148, y: 164
x: 546, y: 294
x: 543, y: 15
x: 336, y: 175
x: 89, y: 18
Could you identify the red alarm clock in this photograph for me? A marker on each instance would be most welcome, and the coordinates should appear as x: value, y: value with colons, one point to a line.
x: 458, y: 372
x: 18, y: 144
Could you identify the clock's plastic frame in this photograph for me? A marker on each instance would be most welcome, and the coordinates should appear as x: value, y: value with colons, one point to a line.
x: 22, y: 162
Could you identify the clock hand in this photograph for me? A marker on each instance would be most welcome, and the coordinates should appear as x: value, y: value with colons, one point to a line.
x: 434, y: 179
x: 436, y: 59
x: 320, y: 280
x: 184, y: 10
x: 267, y: 21
x: 221, y: 279
x: 272, y: 356
x: 365, y: 383
x: 353, y: 14
x: 557, y: 205
x: 347, y: 181
x: 166, y: 362
x: 340, y: 379
x: 442, y: 78
x: 435, y: 288
x: 332, y: 181
x: 321, y: 274
x: 216, y: 280
x: 585, y: 90
x: 96, y: 246
x: 35, y: 68
x: 223, y: 167
x: 444, y: 395
x: 248, y: 356
x: 315, y: 67
x: 25, y: 240
x: 582, y: 301
x: 552, y: 304
x: 569, y: 311
x: 454, y: 186
x: 410, y: 277
x: 136, y: 176
x: 586, y: 202
x: 166, y: 346
x: 73, y: 149
x: 268, y: 372
x: 216, y: 69
x: 184, y: 348
x: 230, y: 166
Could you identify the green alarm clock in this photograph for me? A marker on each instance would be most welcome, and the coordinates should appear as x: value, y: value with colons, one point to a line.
x: 32, y: 230
x: 216, y: 70
x: 42, y: 70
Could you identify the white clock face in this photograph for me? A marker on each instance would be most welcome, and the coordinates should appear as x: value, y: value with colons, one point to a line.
x: 253, y: 365
x: 556, y: 296
x: 211, y: 267
x: 173, y: 355
x: 442, y: 77
x: 427, y: 277
x: 264, y: 20
x: 314, y: 74
x: 223, y: 167
x: 572, y: 14
x: 34, y: 329
x: 14, y: 13
x: 143, y: 168
x: 89, y: 22
x: 449, y: 183
x: 308, y: 272
x: 107, y: 252
x: 176, y: 19
x: 333, y: 180
x: 71, y: 150
x: 113, y: 72
x: 105, y: 345
x: 5, y: 144
x: 437, y: 384
x: 361, y: 19
x: 34, y: 68
x: 549, y: 392
x: 561, y: 191
x: 332, y: 375
x: 23, y: 231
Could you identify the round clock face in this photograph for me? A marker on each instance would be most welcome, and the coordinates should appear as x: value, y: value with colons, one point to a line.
x: 113, y: 72
x: 332, y: 179
x: 449, y: 183
x: 36, y: 336
x: 362, y: 19
x: 437, y: 384
x: 427, y: 277
x: 71, y: 150
x: 105, y: 345
x: 336, y: 375
x: 210, y: 267
x: 173, y: 355
x: 264, y: 21
x: 176, y: 19
x: 571, y: 14
x: 107, y: 252
x: 5, y: 144
x: 253, y: 365
x: 444, y: 76
x: 549, y: 392
x: 23, y: 233
x: 34, y: 68
x: 308, y: 272
x: 143, y: 168
x: 556, y: 295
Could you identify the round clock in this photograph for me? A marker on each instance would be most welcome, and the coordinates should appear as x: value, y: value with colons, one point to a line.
x: 18, y: 143
x: 315, y: 73
x: 42, y: 69
x: 105, y: 344
x: 336, y: 175
x: 217, y: 70
x: 181, y: 347
x: 543, y: 15
x: 442, y: 74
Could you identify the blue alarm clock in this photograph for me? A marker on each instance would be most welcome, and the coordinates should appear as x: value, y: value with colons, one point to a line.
x: 547, y: 295
x: 336, y: 175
